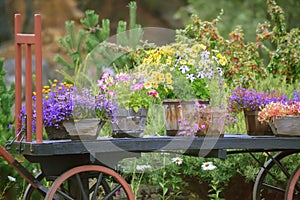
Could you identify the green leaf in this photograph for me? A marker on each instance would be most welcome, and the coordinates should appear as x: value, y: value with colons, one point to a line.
x: 135, y: 108
x: 91, y: 19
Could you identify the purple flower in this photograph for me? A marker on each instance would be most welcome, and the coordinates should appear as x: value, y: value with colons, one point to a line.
x: 249, y: 99
x: 64, y: 102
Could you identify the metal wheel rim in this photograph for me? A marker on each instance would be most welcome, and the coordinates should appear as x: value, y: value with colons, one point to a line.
x: 84, y: 169
x: 263, y: 172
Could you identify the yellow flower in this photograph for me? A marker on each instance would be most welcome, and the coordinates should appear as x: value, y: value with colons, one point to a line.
x: 200, y: 63
x: 203, y: 47
x: 46, y: 86
x: 191, y: 62
x: 147, y: 85
x: 223, y: 61
x: 219, y: 56
x: 194, y: 55
x: 156, y: 78
x: 154, y: 85
x: 166, y: 90
x: 34, y: 93
x: 168, y: 75
x: 161, y: 76
x: 53, y: 85
x: 169, y: 81
x: 55, y: 80
x: 168, y: 61
x: 183, y: 62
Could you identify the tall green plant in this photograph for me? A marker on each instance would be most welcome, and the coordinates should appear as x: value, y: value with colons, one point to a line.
x: 247, y: 64
x: 6, y: 103
x: 6, y: 131
x: 83, y: 47
x: 284, y: 51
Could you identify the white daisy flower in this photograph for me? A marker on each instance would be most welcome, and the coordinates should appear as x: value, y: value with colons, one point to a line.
x: 177, y: 160
x: 208, y: 166
x: 12, y: 179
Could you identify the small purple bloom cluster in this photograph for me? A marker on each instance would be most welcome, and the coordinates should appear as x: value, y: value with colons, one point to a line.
x: 251, y: 100
x: 63, y: 102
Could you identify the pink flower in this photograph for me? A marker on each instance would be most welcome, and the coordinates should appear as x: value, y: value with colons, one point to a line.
x: 111, y: 92
x: 153, y: 93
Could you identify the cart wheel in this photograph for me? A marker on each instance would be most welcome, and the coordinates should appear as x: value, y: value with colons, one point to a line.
x: 33, y: 194
x: 293, y: 187
x: 85, y: 182
x: 273, y: 178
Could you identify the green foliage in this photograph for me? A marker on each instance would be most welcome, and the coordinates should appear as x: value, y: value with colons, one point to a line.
x: 244, y: 64
x: 247, y: 60
x: 6, y: 129
x: 236, y: 12
x: 6, y: 103
x: 81, y: 45
x: 285, y: 50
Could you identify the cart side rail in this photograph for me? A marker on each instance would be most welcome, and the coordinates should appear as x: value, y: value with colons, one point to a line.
x: 28, y: 40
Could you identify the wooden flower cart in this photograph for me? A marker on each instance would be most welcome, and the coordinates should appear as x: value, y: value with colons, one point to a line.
x: 86, y: 169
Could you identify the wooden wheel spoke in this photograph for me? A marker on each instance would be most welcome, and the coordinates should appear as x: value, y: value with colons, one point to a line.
x: 274, y: 176
x: 271, y: 187
x: 280, y: 165
x: 63, y: 194
x: 81, y: 177
x: 83, y: 191
x: 112, y: 192
x: 96, y: 186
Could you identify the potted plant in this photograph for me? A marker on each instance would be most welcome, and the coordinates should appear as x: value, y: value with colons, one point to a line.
x: 203, y: 121
x: 283, y: 117
x: 65, y: 108
x: 183, y: 73
x: 133, y: 100
x: 250, y: 101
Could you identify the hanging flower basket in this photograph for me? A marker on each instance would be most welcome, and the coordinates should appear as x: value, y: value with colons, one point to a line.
x: 286, y: 126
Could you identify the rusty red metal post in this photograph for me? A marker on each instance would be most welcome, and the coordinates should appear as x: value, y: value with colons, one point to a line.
x: 39, y: 77
x: 28, y: 40
x: 18, y: 75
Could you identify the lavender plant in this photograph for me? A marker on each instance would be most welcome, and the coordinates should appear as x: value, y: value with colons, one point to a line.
x: 252, y: 100
x: 63, y: 101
